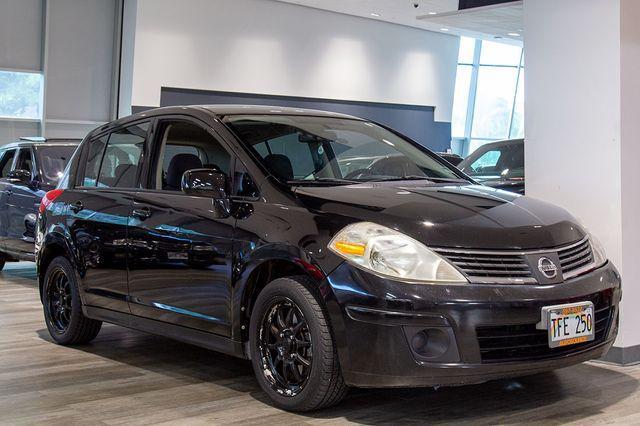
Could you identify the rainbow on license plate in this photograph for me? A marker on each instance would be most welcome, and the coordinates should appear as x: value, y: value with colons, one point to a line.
x: 569, y: 324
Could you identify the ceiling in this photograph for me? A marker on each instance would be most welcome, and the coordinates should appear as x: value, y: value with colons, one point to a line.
x: 502, y: 22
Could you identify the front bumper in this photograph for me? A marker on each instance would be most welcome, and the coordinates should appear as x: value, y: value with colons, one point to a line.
x: 475, y: 332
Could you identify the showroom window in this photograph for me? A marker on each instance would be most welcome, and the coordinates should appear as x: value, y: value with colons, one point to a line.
x: 20, y: 94
x: 488, y: 102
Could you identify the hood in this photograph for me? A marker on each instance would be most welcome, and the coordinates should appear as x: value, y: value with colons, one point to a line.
x: 461, y: 216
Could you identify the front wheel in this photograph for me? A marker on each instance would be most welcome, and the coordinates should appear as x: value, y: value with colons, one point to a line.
x: 62, y: 306
x: 292, y: 349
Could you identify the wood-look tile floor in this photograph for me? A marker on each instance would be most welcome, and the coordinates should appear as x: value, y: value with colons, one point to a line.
x: 134, y: 378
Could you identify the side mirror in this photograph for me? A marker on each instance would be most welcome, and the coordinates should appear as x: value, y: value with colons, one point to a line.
x: 19, y: 176
x: 205, y: 183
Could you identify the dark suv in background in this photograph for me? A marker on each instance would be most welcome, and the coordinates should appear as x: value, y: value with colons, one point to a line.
x: 28, y: 169
x: 329, y: 250
x: 499, y: 165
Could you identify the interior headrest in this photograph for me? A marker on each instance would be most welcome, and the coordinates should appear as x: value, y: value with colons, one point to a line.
x: 179, y: 164
x: 280, y: 166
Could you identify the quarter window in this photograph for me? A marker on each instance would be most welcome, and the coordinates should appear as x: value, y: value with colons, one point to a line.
x: 94, y: 157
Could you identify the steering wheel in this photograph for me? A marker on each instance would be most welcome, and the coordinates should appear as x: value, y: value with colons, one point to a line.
x: 359, y: 173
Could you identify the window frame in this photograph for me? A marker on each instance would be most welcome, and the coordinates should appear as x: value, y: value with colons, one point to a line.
x: 31, y: 154
x: 13, y: 149
x: 86, y: 147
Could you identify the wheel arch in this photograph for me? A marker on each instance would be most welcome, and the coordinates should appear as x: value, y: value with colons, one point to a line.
x: 54, y: 245
x: 264, y: 267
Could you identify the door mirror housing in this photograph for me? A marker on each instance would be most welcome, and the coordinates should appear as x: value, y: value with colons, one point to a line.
x: 205, y: 183
x: 19, y: 176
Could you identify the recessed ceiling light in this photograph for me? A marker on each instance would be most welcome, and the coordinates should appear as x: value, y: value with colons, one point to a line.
x: 433, y: 13
x: 377, y: 15
x: 514, y: 34
x: 444, y: 29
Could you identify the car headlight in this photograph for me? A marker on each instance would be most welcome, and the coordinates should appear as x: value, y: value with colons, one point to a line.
x: 599, y: 255
x: 385, y: 251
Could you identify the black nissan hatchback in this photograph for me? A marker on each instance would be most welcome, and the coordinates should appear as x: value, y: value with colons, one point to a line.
x: 260, y: 232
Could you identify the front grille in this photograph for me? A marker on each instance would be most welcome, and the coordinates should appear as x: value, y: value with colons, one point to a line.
x: 481, y: 267
x: 500, y: 267
x: 574, y: 258
x: 522, y: 342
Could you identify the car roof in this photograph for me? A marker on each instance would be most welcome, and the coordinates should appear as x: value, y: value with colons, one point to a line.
x: 220, y: 111
x: 223, y: 110
x: 40, y: 141
x: 502, y: 143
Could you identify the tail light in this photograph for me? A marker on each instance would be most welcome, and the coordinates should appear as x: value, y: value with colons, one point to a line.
x: 49, y: 198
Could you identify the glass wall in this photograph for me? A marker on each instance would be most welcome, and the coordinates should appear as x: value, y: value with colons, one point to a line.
x: 488, y: 102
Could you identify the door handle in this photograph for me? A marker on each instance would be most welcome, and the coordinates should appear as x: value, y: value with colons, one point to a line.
x: 76, y: 207
x: 142, y: 213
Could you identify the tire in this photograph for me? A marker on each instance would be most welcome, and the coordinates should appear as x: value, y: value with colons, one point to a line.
x: 3, y: 260
x: 315, y: 386
x: 62, y: 306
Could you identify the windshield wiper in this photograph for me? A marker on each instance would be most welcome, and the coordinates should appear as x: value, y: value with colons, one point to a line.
x: 322, y: 181
x: 417, y: 177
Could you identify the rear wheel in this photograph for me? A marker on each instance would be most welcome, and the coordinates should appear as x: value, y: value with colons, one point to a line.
x: 66, y: 323
x: 292, y: 349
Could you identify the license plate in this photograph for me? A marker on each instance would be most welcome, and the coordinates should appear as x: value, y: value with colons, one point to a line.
x: 568, y: 324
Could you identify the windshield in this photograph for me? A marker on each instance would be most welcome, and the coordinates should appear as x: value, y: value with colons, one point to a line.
x: 308, y: 150
x: 496, y: 162
x: 52, y: 160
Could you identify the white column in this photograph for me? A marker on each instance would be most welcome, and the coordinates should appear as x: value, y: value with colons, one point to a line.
x: 630, y: 175
x: 582, y: 99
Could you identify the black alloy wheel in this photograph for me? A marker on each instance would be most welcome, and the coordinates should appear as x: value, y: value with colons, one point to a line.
x: 59, y: 306
x: 286, y: 347
x: 63, y: 314
x: 293, y: 353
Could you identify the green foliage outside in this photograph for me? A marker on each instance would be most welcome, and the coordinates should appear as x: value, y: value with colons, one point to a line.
x: 20, y: 94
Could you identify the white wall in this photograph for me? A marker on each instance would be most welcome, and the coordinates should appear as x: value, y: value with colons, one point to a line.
x: 630, y: 171
x: 572, y: 110
x: 581, y: 117
x: 269, y: 47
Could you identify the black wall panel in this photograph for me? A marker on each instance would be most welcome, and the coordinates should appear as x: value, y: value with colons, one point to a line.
x: 415, y: 121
